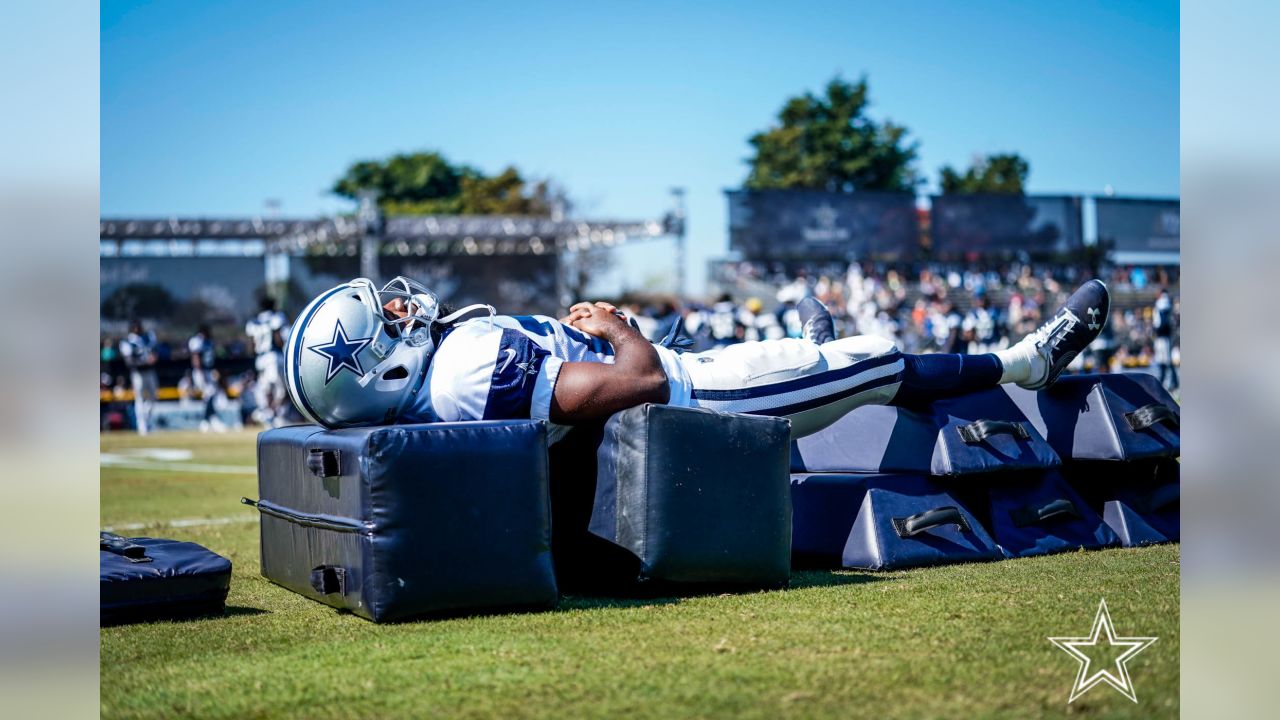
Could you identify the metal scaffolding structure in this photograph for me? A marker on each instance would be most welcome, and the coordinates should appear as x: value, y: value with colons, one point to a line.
x: 418, y: 235
x: 370, y: 235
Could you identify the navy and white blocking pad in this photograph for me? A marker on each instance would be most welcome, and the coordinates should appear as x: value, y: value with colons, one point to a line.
x: 1037, y: 514
x: 969, y: 435
x: 824, y: 507
x: 146, y: 578
x: 1119, y: 439
x: 1003, y: 515
x: 698, y: 496
x: 395, y: 522
x: 910, y: 521
x: 970, y: 469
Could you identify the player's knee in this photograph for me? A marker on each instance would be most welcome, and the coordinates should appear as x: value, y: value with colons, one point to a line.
x: 863, y: 346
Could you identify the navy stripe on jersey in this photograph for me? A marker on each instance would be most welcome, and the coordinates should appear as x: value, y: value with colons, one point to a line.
x: 799, y: 383
x: 514, y: 373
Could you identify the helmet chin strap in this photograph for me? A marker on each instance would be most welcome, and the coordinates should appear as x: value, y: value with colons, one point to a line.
x: 455, y: 315
x: 393, y: 359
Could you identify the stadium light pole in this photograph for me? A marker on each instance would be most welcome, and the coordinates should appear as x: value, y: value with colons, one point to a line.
x: 370, y: 220
x: 677, y: 220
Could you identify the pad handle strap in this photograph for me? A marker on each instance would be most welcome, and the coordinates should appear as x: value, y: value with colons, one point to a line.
x: 1036, y: 514
x: 1153, y: 414
x: 329, y: 579
x: 936, y: 517
x: 122, y: 546
x: 980, y: 430
x: 324, y: 463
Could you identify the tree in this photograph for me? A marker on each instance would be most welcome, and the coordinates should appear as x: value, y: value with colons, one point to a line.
x: 138, y: 300
x: 426, y: 183
x: 1002, y: 173
x: 829, y: 143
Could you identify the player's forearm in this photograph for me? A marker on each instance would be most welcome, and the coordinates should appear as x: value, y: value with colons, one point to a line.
x: 593, y: 391
x: 635, y: 358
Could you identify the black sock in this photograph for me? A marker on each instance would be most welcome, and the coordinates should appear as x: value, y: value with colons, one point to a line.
x: 942, y: 375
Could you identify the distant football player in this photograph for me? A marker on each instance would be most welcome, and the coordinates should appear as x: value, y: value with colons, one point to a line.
x: 1164, y: 323
x: 363, y: 356
x: 204, y: 377
x: 138, y: 350
x: 267, y: 331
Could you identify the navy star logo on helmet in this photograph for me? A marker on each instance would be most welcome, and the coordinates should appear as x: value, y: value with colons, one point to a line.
x: 341, y: 352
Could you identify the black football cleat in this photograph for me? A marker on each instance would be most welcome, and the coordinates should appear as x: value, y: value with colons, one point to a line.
x: 815, y: 319
x: 1076, y: 324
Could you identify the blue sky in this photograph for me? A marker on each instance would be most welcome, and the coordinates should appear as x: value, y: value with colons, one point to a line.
x: 211, y: 108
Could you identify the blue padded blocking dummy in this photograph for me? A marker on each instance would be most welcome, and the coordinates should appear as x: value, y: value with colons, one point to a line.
x: 1038, y: 513
x: 1121, y: 417
x: 823, y: 509
x: 969, y: 435
x: 1140, y: 501
x: 909, y: 521
x: 142, y: 578
x: 398, y: 521
x: 1120, y: 436
x: 698, y: 497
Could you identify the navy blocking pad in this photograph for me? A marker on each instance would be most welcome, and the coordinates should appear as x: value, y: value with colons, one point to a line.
x: 910, y: 521
x: 970, y: 435
x: 1119, y: 416
x: 1038, y: 514
x: 399, y: 521
x: 823, y: 509
x: 699, y: 497
x: 165, y: 579
x: 1140, y: 501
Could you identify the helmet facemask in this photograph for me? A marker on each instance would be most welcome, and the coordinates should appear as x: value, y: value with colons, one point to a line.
x: 405, y: 341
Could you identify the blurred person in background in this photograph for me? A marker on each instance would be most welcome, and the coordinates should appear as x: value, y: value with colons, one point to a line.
x: 204, y: 377
x: 1164, y: 326
x: 726, y: 323
x: 138, y: 350
x: 267, y: 331
x: 982, y: 327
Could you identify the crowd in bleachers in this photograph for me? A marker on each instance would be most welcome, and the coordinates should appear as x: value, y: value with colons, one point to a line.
x: 933, y: 308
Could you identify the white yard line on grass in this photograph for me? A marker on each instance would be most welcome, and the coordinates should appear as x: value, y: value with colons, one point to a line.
x: 185, y: 523
x: 165, y: 460
x: 180, y: 467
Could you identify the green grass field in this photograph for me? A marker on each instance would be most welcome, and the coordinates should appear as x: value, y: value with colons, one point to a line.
x: 956, y: 641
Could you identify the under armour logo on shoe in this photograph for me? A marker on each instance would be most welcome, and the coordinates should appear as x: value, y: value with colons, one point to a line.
x: 1093, y: 319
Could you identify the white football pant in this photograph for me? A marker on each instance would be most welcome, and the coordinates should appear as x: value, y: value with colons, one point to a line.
x: 269, y: 391
x: 812, y: 385
x: 145, y: 386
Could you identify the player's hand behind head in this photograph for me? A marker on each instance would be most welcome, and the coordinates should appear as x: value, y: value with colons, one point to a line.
x: 599, y: 319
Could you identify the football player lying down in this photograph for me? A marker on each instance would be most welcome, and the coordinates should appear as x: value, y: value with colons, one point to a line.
x: 361, y: 356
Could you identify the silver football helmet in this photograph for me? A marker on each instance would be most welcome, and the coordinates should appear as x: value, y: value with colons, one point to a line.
x: 349, y: 362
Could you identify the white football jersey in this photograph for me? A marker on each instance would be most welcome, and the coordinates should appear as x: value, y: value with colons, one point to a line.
x: 203, y: 347
x: 135, y: 348
x: 262, y: 328
x: 505, y: 368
